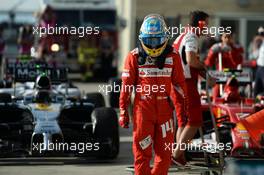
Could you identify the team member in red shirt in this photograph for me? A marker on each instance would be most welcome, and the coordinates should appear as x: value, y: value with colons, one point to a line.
x: 187, y: 46
x: 46, y: 21
x: 152, y: 69
x: 232, y: 56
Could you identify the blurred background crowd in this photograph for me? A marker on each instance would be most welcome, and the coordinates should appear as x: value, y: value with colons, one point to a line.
x: 99, y: 57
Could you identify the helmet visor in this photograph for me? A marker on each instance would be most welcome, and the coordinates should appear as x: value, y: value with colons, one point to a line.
x: 153, y: 42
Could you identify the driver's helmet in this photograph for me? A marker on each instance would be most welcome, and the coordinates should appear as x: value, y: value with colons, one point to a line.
x: 43, y: 83
x: 153, y: 35
x: 43, y: 97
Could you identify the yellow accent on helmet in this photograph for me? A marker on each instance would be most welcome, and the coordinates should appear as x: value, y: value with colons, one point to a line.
x: 155, y: 52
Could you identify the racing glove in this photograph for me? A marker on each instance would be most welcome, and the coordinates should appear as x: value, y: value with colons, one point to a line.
x: 124, y: 119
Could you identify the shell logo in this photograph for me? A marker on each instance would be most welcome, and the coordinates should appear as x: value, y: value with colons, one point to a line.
x: 242, y: 131
x: 218, y: 112
x: 240, y: 126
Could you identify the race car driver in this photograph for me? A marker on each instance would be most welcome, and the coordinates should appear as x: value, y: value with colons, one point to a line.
x: 43, y: 89
x: 187, y: 46
x: 232, y: 57
x: 153, y: 69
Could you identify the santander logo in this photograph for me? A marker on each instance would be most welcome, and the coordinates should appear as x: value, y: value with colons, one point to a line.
x: 155, y: 72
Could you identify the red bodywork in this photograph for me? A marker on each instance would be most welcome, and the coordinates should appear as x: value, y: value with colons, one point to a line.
x: 246, y: 135
x: 248, y: 129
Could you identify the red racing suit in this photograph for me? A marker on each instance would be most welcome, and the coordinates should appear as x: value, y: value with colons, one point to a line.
x: 188, y: 42
x: 152, y: 112
x: 232, y: 56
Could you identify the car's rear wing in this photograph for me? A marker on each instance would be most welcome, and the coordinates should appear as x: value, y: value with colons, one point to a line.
x: 28, y: 71
x: 244, y: 77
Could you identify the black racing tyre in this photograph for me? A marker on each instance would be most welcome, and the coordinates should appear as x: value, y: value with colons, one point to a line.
x: 106, y: 129
x: 114, y: 95
x: 95, y: 98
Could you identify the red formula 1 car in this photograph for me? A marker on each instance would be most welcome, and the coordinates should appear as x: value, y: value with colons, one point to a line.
x: 231, y: 127
x: 234, y: 111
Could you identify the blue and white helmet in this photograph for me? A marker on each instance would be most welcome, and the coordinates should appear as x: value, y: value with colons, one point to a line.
x: 153, y: 35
